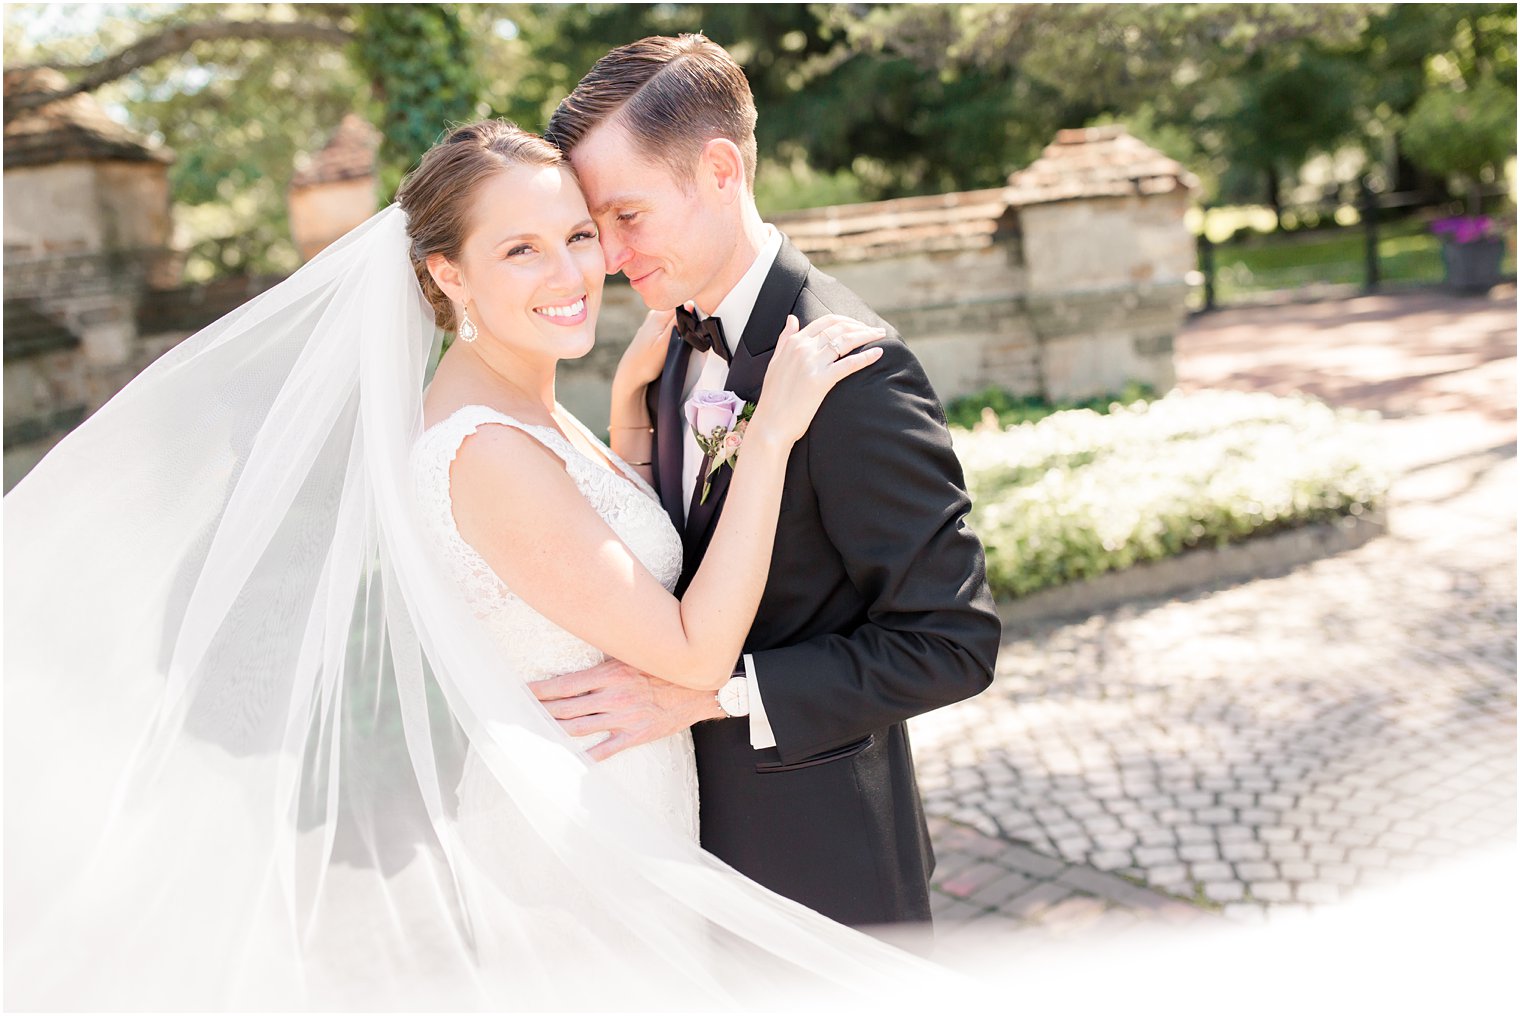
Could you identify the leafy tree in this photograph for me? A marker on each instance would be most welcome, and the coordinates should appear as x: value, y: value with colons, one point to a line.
x: 1463, y: 132
x: 871, y: 124
x: 1288, y: 106
x: 1243, y: 93
x: 1102, y: 55
x: 421, y: 66
x: 1410, y: 50
x: 1175, y: 70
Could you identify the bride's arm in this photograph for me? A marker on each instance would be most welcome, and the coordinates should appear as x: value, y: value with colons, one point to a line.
x: 630, y: 430
x: 515, y: 504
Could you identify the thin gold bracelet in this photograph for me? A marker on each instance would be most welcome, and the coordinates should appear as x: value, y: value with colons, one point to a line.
x: 616, y: 426
x: 639, y: 463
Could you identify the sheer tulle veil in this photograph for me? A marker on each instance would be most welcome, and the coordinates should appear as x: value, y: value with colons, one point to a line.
x: 239, y: 692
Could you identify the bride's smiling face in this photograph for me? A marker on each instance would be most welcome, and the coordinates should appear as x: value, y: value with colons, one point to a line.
x: 530, y: 267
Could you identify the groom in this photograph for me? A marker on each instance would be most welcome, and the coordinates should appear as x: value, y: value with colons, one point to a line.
x: 877, y: 607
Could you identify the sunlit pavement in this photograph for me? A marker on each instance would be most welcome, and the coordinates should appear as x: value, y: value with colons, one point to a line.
x: 1279, y: 746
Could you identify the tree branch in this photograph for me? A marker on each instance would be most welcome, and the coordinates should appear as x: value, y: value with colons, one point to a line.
x: 174, y: 40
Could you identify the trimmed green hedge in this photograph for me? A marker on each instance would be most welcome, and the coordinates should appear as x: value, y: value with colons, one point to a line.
x: 1080, y: 493
x: 1011, y: 409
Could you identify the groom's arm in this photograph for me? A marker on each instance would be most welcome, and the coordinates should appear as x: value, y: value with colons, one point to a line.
x: 891, y: 499
x: 630, y: 706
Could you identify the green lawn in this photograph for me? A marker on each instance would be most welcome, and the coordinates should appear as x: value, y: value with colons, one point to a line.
x: 1407, y: 253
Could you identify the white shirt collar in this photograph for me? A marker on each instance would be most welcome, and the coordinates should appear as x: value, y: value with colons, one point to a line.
x: 734, y: 310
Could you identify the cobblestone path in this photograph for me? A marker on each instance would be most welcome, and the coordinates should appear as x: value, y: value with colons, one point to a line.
x: 1275, y: 745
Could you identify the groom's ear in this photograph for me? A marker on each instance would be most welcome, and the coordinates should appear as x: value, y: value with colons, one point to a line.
x: 724, y: 165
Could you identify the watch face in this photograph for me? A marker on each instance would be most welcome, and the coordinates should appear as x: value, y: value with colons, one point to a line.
x: 733, y: 698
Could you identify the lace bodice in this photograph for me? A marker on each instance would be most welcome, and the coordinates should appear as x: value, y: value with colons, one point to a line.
x: 628, y: 504
x: 662, y: 773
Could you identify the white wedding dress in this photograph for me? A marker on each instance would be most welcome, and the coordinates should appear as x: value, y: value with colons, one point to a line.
x: 661, y: 775
x: 260, y: 755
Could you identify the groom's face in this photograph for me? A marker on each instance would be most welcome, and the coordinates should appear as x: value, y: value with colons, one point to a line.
x: 669, y: 237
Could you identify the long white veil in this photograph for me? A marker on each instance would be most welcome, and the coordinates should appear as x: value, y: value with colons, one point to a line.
x: 239, y: 692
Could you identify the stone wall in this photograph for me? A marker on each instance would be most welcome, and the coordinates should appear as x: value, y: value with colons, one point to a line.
x: 54, y: 381
x: 87, y: 238
x: 1106, y: 291
x: 50, y: 393
x: 84, y: 241
x: 87, y: 208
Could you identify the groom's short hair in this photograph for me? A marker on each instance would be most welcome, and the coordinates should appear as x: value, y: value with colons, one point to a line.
x: 672, y: 95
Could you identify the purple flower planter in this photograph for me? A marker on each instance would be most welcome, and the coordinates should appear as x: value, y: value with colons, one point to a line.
x: 1464, y: 228
x: 1472, y: 267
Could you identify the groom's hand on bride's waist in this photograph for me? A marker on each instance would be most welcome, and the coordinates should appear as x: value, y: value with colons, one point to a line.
x: 634, y: 707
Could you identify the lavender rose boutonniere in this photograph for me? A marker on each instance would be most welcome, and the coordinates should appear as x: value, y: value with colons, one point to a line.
x: 718, y: 421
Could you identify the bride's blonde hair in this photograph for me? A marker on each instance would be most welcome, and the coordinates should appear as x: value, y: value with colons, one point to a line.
x: 436, y: 196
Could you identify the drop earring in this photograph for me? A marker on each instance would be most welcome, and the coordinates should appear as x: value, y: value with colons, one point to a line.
x: 467, y: 330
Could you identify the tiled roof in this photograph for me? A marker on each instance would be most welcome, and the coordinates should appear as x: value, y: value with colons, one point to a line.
x: 76, y: 128
x: 348, y: 155
x: 1085, y: 163
x: 1092, y: 162
x: 966, y: 220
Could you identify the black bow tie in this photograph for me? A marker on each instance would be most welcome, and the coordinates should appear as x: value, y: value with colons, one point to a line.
x: 702, y: 335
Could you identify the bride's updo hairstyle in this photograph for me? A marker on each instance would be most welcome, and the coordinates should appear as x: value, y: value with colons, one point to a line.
x: 438, y: 195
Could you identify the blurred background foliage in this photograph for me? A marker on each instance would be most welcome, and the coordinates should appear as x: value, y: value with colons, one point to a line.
x: 859, y: 101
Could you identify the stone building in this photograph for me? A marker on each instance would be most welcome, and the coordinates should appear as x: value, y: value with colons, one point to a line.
x: 91, y: 277
x: 1106, y: 258
x: 336, y: 189
x: 87, y: 229
x: 1066, y: 283
x: 92, y: 293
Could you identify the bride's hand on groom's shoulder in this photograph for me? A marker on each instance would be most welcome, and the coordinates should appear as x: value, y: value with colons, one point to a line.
x: 807, y: 364
x: 633, y: 707
x: 644, y: 358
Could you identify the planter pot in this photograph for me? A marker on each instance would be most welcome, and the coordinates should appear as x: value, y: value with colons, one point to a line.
x: 1473, y: 267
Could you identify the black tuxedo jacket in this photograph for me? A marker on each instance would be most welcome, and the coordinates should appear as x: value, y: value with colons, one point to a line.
x: 876, y: 609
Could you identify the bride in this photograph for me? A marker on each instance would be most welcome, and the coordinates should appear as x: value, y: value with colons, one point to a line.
x: 272, y: 612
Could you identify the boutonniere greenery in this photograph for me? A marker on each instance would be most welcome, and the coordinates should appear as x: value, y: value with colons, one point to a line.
x: 718, y: 421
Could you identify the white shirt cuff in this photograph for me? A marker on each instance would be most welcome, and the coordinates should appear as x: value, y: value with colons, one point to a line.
x: 760, y: 735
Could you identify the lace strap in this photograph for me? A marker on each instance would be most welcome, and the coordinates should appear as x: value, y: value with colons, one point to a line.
x: 466, y: 420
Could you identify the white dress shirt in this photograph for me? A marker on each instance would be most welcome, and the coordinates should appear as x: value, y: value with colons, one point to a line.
x: 707, y: 371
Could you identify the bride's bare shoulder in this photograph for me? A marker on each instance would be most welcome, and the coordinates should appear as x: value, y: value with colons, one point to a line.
x: 509, y: 481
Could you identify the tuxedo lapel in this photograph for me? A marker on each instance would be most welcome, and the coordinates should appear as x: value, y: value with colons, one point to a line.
x: 670, y: 451
x: 746, y: 376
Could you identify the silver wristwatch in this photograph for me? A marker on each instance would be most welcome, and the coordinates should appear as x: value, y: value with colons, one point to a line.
x: 733, y: 697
